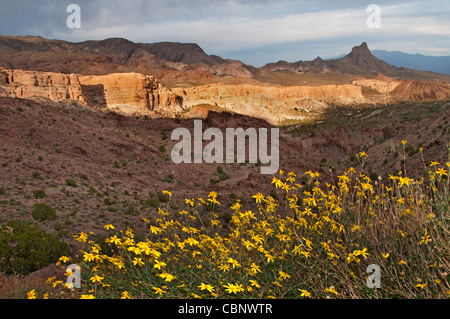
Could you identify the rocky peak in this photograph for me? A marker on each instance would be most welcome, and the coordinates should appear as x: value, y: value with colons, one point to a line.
x: 189, y: 53
x: 361, y: 55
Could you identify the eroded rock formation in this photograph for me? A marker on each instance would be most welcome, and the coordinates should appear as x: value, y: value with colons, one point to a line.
x: 130, y: 94
x: 405, y: 90
x: 124, y: 93
x: 272, y: 103
x: 136, y: 94
x: 54, y: 86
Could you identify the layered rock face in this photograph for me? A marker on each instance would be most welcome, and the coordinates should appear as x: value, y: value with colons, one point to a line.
x: 383, y: 87
x: 272, y: 103
x: 136, y: 94
x: 124, y: 93
x: 130, y: 94
x: 406, y: 90
x: 54, y: 86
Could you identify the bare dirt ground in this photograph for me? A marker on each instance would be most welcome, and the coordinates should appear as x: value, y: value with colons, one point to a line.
x: 102, y: 168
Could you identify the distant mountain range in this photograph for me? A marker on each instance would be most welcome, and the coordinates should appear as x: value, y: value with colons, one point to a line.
x: 440, y: 64
x: 360, y: 61
x: 175, y: 63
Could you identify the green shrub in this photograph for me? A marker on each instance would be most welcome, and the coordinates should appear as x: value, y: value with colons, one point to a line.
x: 131, y: 210
x: 373, y: 176
x: 411, y: 150
x: 111, y: 209
x: 25, y: 248
x: 43, y: 212
x: 37, y: 175
x: 223, y: 176
x: 39, y: 193
x: 71, y: 182
x: 152, y: 200
x: 108, y: 201
x: 3, y: 190
x: 169, y: 179
x: 163, y: 198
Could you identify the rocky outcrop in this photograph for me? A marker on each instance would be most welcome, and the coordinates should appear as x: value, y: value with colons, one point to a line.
x: 271, y: 103
x: 413, y: 90
x: 405, y: 90
x: 136, y: 94
x: 54, y: 86
x: 131, y: 94
x: 383, y: 87
x: 124, y: 93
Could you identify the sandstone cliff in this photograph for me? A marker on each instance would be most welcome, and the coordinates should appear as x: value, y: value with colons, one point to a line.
x: 272, y: 103
x: 131, y: 94
x: 54, y: 86
x: 136, y: 94
x: 405, y: 90
x: 124, y: 93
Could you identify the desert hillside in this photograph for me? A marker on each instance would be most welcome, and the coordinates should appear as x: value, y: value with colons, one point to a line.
x: 107, y: 155
x: 137, y: 94
x: 87, y: 175
x: 186, y: 64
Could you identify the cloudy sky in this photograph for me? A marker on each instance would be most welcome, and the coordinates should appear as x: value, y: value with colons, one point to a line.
x: 255, y: 32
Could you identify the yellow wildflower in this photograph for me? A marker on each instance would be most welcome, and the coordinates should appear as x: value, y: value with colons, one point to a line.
x: 138, y: 261
x: 233, y: 288
x: 254, y: 283
x: 233, y: 262
x: 331, y: 290
x: 258, y: 197
x: 125, y: 295
x: 425, y: 238
x: 64, y: 259
x: 304, y: 293
x: 167, y: 277
x: 159, y: 264
x: 158, y: 291
x: 254, y: 269
x: 204, y: 286
x: 31, y: 294
x: 421, y: 286
x: 88, y: 256
x: 224, y: 267
x: 283, y: 275
x: 96, y: 278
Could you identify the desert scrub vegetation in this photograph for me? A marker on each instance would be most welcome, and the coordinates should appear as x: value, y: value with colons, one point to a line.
x: 43, y: 212
x: 314, y: 241
x: 25, y: 248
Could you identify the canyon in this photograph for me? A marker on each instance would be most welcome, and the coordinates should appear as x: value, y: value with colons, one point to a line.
x: 179, y: 80
x: 136, y: 94
x: 132, y: 94
x: 90, y: 123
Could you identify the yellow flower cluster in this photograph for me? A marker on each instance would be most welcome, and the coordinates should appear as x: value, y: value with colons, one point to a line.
x: 312, y: 239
